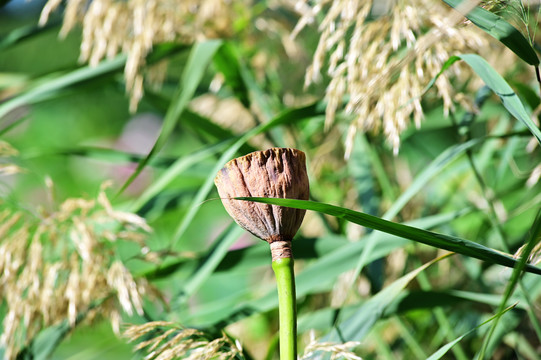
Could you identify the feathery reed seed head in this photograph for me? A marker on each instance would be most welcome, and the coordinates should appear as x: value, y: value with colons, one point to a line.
x: 61, y: 266
x: 274, y: 173
x: 344, y: 351
x: 134, y: 27
x: 168, y: 341
x: 380, y: 57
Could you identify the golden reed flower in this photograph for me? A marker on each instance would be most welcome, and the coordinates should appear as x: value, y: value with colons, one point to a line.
x: 61, y: 265
x: 135, y: 26
x: 380, y: 57
x: 335, y: 350
x: 166, y: 341
x: 274, y: 173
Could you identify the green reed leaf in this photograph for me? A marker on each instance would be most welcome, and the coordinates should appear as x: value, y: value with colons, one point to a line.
x: 501, y: 30
x: 441, y: 241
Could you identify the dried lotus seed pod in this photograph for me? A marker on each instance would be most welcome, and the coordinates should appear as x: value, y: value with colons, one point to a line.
x: 273, y: 173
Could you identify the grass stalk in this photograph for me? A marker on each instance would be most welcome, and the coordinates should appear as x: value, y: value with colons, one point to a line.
x: 287, y: 307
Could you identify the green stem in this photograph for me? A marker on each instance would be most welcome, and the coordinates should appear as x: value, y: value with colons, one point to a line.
x: 285, y: 281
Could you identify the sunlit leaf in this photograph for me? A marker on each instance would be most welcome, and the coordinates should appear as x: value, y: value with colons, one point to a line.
x: 500, y: 29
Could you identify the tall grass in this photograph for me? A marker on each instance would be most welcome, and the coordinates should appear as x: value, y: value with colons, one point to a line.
x: 422, y: 239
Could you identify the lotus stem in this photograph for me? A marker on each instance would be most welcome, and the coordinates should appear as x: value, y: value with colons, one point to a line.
x: 282, y: 265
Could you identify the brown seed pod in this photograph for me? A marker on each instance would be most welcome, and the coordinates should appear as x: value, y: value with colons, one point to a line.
x: 273, y: 173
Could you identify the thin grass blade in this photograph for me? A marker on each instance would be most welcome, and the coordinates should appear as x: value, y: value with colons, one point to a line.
x: 200, y: 56
x: 440, y: 241
x: 515, y: 276
x: 444, y: 159
x: 501, y: 30
x: 22, y: 33
x: 357, y: 325
x: 227, y: 62
x: 212, y: 260
x: 49, y: 88
x: 177, y: 168
x: 444, y: 349
x: 497, y: 84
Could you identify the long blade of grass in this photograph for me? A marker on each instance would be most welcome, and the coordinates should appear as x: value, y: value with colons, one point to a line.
x: 418, y: 184
x: 506, y: 94
x: 97, y: 153
x: 406, y: 302
x: 49, y: 88
x: 444, y: 349
x: 227, y: 62
x: 501, y: 30
x: 179, y: 166
x: 444, y: 159
x: 317, y: 276
x: 204, y: 126
x: 441, y: 241
x: 200, y: 56
x: 515, y: 276
x: 22, y: 33
x: 196, y: 122
x: 497, y: 84
x: 359, y: 323
x: 212, y: 260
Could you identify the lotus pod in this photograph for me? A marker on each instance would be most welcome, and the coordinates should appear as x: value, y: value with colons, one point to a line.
x: 273, y: 173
